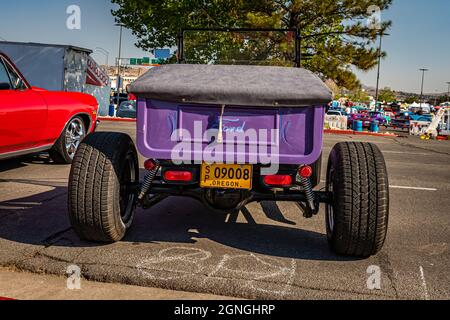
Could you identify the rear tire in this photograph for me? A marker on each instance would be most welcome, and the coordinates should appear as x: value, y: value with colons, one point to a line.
x: 357, y: 220
x: 101, y: 203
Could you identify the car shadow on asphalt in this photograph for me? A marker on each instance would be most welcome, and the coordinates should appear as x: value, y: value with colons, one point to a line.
x: 181, y: 220
x: 23, y: 161
x: 42, y: 219
x: 273, y: 212
x: 7, y: 165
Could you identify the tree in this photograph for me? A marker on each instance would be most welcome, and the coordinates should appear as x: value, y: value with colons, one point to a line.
x: 335, y: 33
x: 387, y: 95
x: 359, y: 95
x: 412, y: 99
x: 442, y: 99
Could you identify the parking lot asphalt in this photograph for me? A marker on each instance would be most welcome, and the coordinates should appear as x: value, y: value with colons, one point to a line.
x: 268, y: 251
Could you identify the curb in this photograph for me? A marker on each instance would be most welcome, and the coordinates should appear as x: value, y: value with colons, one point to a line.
x: 110, y: 119
x: 363, y: 133
x: 47, y: 287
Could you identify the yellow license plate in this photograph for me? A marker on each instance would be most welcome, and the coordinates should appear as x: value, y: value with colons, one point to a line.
x: 226, y: 176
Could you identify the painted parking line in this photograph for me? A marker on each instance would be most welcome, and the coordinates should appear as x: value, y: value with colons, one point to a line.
x: 413, y: 188
x: 397, y: 152
x: 405, y: 187
x: 329, y: 148
x: 424, y: 283
x: 408, y: 153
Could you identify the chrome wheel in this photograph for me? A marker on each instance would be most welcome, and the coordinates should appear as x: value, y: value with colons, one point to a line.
x: 74, y: 135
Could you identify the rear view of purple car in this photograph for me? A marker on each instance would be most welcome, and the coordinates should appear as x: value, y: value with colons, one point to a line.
x: 378, y: 116
x: 227, y: 136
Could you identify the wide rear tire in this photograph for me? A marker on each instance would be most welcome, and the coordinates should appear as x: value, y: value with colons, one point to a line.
x: 357, y: 220
x: 101, y: 201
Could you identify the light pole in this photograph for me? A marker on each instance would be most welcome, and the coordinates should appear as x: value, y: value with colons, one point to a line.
x: 105, y: 52
x: 378, y: 72
x: 119, y: 82
x: 421, y: 90
x: 448, y: 91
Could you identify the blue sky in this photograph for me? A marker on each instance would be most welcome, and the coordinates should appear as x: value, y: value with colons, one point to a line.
x: 420, y: 36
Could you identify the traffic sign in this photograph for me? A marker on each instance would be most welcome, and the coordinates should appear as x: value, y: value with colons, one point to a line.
x: 162, y: 53
x: 140, y: 61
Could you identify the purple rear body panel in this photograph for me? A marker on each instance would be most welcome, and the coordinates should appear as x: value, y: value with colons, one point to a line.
x: 294, y: 135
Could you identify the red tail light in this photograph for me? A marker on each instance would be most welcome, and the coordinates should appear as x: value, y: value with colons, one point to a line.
x: 278, y: 180
x: 150, y: 165
x: 180, y: 176
x: 305, y: 172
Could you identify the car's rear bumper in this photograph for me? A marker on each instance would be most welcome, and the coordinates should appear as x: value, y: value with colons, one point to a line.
x: 254, y: 194
x: 156, y: 188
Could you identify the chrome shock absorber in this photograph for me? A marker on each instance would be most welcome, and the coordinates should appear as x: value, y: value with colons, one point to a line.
x: 312, y: 207
x: 148, y: 180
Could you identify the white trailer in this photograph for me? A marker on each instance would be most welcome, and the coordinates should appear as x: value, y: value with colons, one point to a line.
x: 60, y: 68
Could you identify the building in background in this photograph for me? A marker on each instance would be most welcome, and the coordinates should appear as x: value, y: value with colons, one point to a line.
x: 61, y: 68
x: 126, y: 80
x: 129, y: 74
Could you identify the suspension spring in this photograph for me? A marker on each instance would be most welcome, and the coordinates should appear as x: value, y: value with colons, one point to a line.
x: 148, y: 180
x: 310, y: 198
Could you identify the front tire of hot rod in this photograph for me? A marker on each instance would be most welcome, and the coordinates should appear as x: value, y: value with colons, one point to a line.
x: 357, y: 218
x: 101, y: 202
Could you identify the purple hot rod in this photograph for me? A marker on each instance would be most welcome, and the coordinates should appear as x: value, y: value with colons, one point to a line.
x: 228, y: 136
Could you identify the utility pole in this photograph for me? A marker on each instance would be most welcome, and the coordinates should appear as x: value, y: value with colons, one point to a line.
x: 378, y: 72
x: 421, y: 90
x: 448, y: 91
x: 119, y: 82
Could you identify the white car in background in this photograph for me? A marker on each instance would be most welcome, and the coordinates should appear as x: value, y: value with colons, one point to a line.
x: 335, y: 113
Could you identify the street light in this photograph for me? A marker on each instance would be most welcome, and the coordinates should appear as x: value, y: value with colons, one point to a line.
x: 121, y: 25
x: 378, y: 72
x: 448, y: 91
x: 105, y: 52
x: 421, y: 90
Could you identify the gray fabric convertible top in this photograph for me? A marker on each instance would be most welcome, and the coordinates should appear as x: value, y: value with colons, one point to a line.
x: 257, y: 86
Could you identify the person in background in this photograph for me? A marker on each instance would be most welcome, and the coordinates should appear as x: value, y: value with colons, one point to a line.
x: 111, y: 111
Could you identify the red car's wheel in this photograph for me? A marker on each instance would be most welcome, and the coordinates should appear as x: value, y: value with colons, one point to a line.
x: 66, y: 146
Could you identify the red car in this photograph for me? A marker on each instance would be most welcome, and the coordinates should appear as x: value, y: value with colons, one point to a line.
x: 35, y: 120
